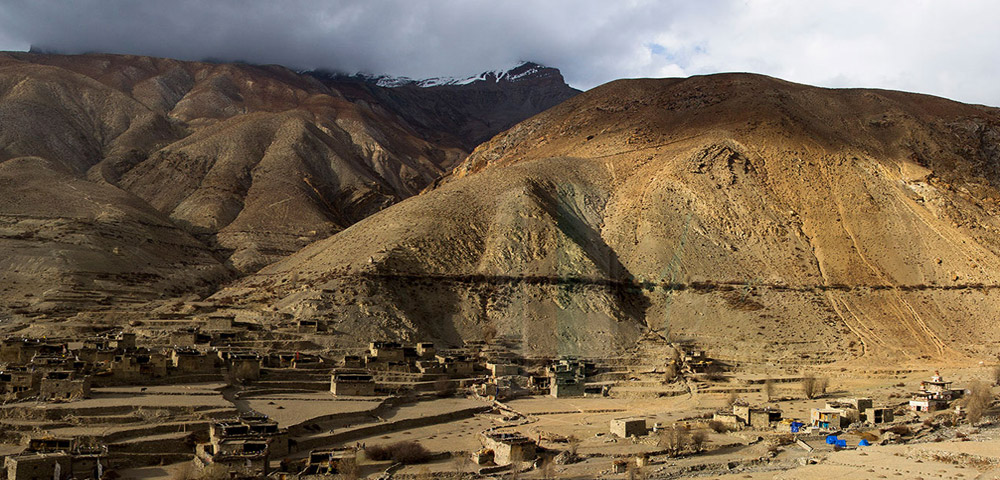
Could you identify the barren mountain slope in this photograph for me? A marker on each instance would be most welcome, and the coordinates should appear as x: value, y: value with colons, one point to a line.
x: 71, y: 244
x: 763, y: 219
x: 217, y: 146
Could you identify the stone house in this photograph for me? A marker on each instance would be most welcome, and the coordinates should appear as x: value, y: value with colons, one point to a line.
x: 728, y: 419
x: 353, y: 361
x: 187, y: 337
x: 352, y: 384
x: 217, y: 321
x: 562, y: 387
x: 879, y: 415
x: 386, y: 351
x: 426, y: 350
x: 19, y: 380
x: 763, y: 418
x: 327, y: 461
x: 243, y: 445
x: 457, y: 365
x: 509, y: 447
x: 628, y: 427
x: 756, y: 417
x: 63, y: 385
x: 502, y: 369
x: 189, y: 360
x: 243, y: 458
x: 39, y: 466
x: 833, y: 416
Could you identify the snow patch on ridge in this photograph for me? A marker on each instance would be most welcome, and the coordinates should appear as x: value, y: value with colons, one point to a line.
x: 516, y: 73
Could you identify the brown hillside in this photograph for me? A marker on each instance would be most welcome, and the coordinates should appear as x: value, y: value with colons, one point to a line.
x: 763, y: 219
x: 256, y: 161
x: 69, y: 244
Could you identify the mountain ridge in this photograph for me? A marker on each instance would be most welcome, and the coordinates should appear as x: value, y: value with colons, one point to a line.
x: 691, y: 207
x: 252, y: 161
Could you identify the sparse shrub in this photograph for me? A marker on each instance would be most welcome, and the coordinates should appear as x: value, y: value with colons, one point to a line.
x: 348, y: 468
x: 813, y: 387
x: 674, y: 439
x: 978, y: 401
x: 408, y: 452
x: 574, y: 445
x: 698, y: 439
x: 378, y: 453
x: 718, y: 427
x: 769, y: 389
x: 899, y: 430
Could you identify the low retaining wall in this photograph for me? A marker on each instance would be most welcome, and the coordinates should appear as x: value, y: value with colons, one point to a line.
x: 380, y: 428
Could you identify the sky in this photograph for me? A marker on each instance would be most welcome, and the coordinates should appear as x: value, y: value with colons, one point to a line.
x: 949, y: 49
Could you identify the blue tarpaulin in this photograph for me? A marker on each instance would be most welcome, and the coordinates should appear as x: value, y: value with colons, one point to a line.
x: 864, y: 443
x: 796, y: 426
x: 831, y: 439
x: 841, y: 443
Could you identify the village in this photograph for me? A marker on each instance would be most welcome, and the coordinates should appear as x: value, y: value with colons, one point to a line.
x: 209, y: 398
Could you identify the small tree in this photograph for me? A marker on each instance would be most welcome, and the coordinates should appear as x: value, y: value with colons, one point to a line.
x: 769, y: 389
x: 674, y: 439
x: 978, y: 401
x: 574, y: 445
x: 548, y: 469
x: 814, y: 387
x: 348, y: 468
x: 821, y: 384
x: 698, y: 440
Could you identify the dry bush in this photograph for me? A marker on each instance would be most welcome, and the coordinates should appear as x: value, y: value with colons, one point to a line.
x: 899, y: 430
x: 813, y: 387
x: 698, y: 439
x: 674, y: 439
x: 548, y: 469
x: 574, y: 445
x: 717, y: 426
x: 348, y: 468
x: 769, y: 389
x: 408, y: 452
x: 977, y: 402
x: 633, y: 472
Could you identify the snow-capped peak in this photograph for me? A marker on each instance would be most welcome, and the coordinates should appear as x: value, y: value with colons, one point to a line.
x: 516, y: 73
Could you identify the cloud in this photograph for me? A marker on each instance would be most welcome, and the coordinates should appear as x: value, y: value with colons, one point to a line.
x: 941, y: 48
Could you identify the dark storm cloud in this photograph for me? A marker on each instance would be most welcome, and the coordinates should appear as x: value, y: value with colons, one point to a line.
x: 933, y: 47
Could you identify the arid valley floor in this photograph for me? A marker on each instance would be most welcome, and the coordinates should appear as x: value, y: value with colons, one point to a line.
x: 216, y: 395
